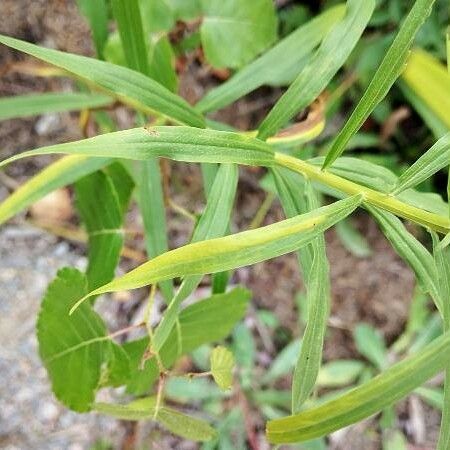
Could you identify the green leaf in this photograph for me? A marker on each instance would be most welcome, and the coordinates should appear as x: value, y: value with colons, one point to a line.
x: 36, y: 104
x: 151, y: 205
x: 178, y: 143
x: 118, y: 370
x: 273, y: 67
x: 339, y: 373
x: 389, y: 70
x: 186, y: 9
x: 60, y: 173
x: 314, y: 78
x: 130, y: 87
x: 209, y: 320
x: 433, y: 160
x: 103, y: 216
x: 318, y: 301
x: 162, y: 62
x: 411, y: 251
x: 212, y: 223
x: 352, y: 239
x: 72, y: 347
x: 370, y: 344
x: 128, y: 17
x: 284, y: 362
x: 237, y: 250
x: 434, y: 397
x: 252, y: 24
x: 428, y: 78
x: 97, y: 14
x: 365, y: 400
x: 176, y: 422
x: 222, y: 363
x: 157, y: 15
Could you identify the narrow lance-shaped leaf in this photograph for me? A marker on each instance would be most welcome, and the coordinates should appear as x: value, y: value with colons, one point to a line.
x: 442, y: 258
x: 385, y: 76
x: 212, y: 224
x: 433, y: 160
x: 241, y: 249
x: 97, y: 15
x: 178, y: 143
x: 60, y: 173
x: 274, y: 67
x: 151, y: 205
x: 36, y: 104
x: 365, y: 400
x: 314, y: 78
x: 130, y: 87
x: 411, y: 251
x: 318, y: 298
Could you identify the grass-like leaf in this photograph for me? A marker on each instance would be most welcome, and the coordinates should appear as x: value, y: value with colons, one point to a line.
x: 178, y: 143
x: 385, y: 76
x: 126, y: 85
x: 314, y: 78
x: 212, y: 224
x: 36, y: 104
x: 273, y: 67
x: 365, y: 400
x: 433, y: 160
x: 237, y: 250
x: 60, y: 173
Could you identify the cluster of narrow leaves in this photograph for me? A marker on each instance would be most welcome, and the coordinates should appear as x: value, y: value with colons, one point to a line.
x: 81, y: 356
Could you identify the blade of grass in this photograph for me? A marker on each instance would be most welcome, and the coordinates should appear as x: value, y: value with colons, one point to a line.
x: 388, y: 71
x: 213, y: 223
x: 130, y: 87
x: 237, y: 250
x: 36, y: 104
x: 274, y: 66
x: 58, y: 174
x: 314, y: 78
x: 178, y: 143
x: 433, y: 160
x: 365, y: 400
x: 97, y: 15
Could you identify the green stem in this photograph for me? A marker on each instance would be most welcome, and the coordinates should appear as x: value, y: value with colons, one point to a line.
x: 385, y: 201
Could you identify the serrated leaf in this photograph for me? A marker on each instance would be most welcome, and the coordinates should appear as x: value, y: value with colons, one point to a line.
x: 178, y: 143
x: 251, y: 23
x: 36, y: 104
x: 314, y: 78
x: 433, y: 160
x: 241, y: 249
x: 388, y: 71
x: 102, y: 216
x: 365, y: 400
x: 206, y: 321
x: 132, y: 88
x: 222, y: 363
x: 58, y: 174
x: 273, y: 67
x: 212, y: 223
x: 73, y: 347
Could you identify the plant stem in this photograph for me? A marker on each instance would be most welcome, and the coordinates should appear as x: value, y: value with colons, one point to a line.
x: 384, y: 201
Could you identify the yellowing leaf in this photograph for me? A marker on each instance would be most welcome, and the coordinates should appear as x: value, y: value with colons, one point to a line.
x: 222, y: 363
